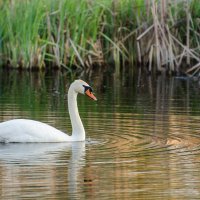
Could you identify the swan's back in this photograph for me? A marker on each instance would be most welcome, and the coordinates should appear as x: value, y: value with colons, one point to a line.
x: 23, y: 130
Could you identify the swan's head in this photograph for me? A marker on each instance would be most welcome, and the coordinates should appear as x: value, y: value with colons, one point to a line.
x: 83, y: 88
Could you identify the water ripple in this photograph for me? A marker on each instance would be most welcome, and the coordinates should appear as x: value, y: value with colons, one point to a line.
x: 132, y: 138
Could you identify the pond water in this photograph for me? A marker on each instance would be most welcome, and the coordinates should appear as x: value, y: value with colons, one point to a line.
x: 143, y: 139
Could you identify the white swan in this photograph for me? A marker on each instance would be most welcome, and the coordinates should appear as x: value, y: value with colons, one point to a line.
x: 24, y: 130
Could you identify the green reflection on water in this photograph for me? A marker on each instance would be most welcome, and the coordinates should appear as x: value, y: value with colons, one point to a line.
x: 142, y: 139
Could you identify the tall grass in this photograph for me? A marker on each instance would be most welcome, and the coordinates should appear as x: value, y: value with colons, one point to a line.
x: 64, y: 33
x: 170, y: 43
x: 21, y: 43
x: 83, y: 33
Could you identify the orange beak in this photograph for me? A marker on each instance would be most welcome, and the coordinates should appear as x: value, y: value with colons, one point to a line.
x: 91, y: 95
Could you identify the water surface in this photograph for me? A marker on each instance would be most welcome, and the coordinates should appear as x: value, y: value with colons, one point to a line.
x: 142, y: 139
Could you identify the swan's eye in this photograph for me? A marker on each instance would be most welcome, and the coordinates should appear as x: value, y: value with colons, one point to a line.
x: 88, y: 92
x: 87, y: 88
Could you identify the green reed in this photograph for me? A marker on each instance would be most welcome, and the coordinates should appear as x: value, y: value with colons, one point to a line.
x: 62, y: 33
x: 20, y: 27
x: 83, y: 33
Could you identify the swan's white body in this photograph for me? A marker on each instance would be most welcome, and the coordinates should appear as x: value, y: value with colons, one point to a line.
x: 24, y: 130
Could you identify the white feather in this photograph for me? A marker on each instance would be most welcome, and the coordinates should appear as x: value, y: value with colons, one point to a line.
x: 24, y: 130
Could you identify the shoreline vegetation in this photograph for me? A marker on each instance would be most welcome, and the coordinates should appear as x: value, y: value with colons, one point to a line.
x: 154, y: 36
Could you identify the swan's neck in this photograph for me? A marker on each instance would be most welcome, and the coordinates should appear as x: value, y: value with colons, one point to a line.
x: 78, y: 132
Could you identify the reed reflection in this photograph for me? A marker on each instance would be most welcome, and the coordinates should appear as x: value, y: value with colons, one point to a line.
x: 142, y: 140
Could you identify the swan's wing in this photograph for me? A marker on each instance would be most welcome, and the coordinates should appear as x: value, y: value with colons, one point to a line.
x: 22, y: 130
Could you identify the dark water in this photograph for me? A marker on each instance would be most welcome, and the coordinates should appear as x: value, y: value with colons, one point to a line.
x: 143, y: 139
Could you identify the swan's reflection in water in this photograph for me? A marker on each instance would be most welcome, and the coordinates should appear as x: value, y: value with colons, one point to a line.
x: 38, y: 169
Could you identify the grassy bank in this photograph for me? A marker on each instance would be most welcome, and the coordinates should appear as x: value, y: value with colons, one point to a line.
x: 160, y: 35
